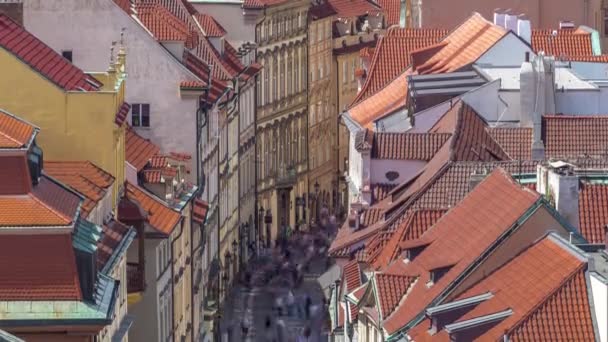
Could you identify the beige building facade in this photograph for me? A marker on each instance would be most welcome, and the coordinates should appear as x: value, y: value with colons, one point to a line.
x: 281, y: 118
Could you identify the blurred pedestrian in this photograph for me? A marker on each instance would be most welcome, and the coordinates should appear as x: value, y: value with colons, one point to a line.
x: 307, y: 307
x: 268, y: 333
x: 305, y: 335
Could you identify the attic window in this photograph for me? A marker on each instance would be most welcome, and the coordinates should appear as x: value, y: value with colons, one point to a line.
x: 438, y: 273
x: 413, y: 253
x: 67, y: 54
x: 392, y: 175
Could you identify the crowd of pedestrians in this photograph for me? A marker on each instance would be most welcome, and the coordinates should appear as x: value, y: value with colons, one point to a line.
x: 290, y: 260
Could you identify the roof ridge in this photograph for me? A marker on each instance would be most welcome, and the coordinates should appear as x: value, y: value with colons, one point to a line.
x: 153, y: 197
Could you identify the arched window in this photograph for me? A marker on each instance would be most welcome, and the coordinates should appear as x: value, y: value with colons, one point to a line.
x: 289, y: 72
x: 288, y: 145
x: 275, y: 81
x: 266, y: 85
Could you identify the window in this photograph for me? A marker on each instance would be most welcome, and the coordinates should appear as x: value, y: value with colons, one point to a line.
x: 140, y: 115
x: 606, y: 22
x: 344, y: 72
x: 67, y: 54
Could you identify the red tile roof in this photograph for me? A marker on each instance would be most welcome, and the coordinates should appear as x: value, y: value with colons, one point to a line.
x: 44, y: 60
x: 380, y: 191
x: 546, y: 289
x: 459, y: 238
x: 593, y: 212
x: 392, y: 11
x: 386, y: 100
x: 511, y: 138
x: 16, y: 169
x: 161, y: 22
x: 392, y: 57
x: 352, y: 280
x: 257, y: 4
x: 433, y: 33
x: 138, y: 151
x: 38, y: 267
x: 414, y: 224
x: 84, y: 177
x: 354, y: 8
x: 566, y: 43
x: 113, y: 234
x: 199, y: 211
x: 460, y: 48
x: 589, y: 59
x: 160, y: 216
x: 210, y: 26
x: 121, y: 115
x: 407, y: 146
x: 573, y: 136
x: 391, y: 290
x: 15, y: 132
x: 125, y: 5
x: 155, y: 176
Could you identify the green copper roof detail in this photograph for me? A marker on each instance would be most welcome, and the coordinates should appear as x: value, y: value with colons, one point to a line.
x: 86, y: 236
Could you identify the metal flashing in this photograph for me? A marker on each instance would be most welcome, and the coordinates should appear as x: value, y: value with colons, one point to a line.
x: 458, y: 304
x: 475, y: 322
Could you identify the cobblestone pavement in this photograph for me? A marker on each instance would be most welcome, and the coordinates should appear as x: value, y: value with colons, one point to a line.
x: 256, y: 304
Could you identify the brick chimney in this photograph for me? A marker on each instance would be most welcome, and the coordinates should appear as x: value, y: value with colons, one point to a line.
x: 13, y: 9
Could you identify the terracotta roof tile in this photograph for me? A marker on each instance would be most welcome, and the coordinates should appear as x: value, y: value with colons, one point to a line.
x: 407, y: 146
x: 160, y: 216
x: 210, y: 26
x: 593, y: 211
x: 38, y: 267
x: 392, y: 57
x: 392, y: 11
x: 386, y: 100
x: 199, y: 211
x: 121, y: 115
x: 352, y: 280
x: 544, y: 286
x: 391, y: 290
x: 156, y: 176
x: 19, y: 42
x: 161, y: 22
x: 434, y: 33
x: 113, y: 234
x: 565, y: 44
x: 370, y: 217
x: 257, y: 4
x: 192, y: 85
x: 125, y: 5
x: 471, y: 231
x: 573, y: 136
x: 511, y: 138
x: 380, y: 191
x: 139, y: 151
x: 460, y: 48
x: 14, y: 131
x: 411, y: 227
x: 84, y: 177
x: 16, y: 169
x: 590, y: 59
x: 354, y: 8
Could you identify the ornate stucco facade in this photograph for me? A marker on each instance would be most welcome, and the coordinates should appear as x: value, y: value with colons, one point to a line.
x: 281, y: 118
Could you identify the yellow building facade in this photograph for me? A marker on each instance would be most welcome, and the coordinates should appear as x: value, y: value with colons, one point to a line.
x: 76, y: 125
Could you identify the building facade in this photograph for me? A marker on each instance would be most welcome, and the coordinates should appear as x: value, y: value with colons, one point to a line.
x: 281, y: 117
x: 322, y: 119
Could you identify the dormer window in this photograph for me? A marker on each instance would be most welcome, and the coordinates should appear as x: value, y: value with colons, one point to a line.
x: 438, y: 273
x: 412, y: 253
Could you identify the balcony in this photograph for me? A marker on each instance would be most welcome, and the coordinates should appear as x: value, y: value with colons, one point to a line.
x: 286, y: 177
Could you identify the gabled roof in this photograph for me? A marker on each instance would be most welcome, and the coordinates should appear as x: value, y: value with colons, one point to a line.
x: 258, y: 4
x: 352, y: 280
x: 407, y: 146
x: 163, y: 25
x: 544, y: 287
x: 15, y: 132
x: 210, y: 26
x: 459, y: 238
x: 38, y: 267
x: 160, y: 216
x: 572, y: 135
x: 84, y: 177
x: 380, y: 191
x: 139, y: 151
x: 593, y: 212
x: 115, y: 239
x: 392, y: 57
x: 391, y: 290
x: 566, y: 43
x: 460, y: 48
x: 41, y: 58
x: 411, y: 227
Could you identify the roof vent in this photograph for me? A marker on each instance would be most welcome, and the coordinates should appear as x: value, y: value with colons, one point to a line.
x: 566, y: 25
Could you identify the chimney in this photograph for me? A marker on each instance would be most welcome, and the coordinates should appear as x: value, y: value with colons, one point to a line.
x: 524, y: 29
x: 499, y: 17
x: 402, y: 13
x: 562, y: 190
x: 511, y: 22
x: 13, y: 9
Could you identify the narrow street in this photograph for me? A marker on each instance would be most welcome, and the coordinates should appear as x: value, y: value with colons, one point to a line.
x: 256, y: 306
